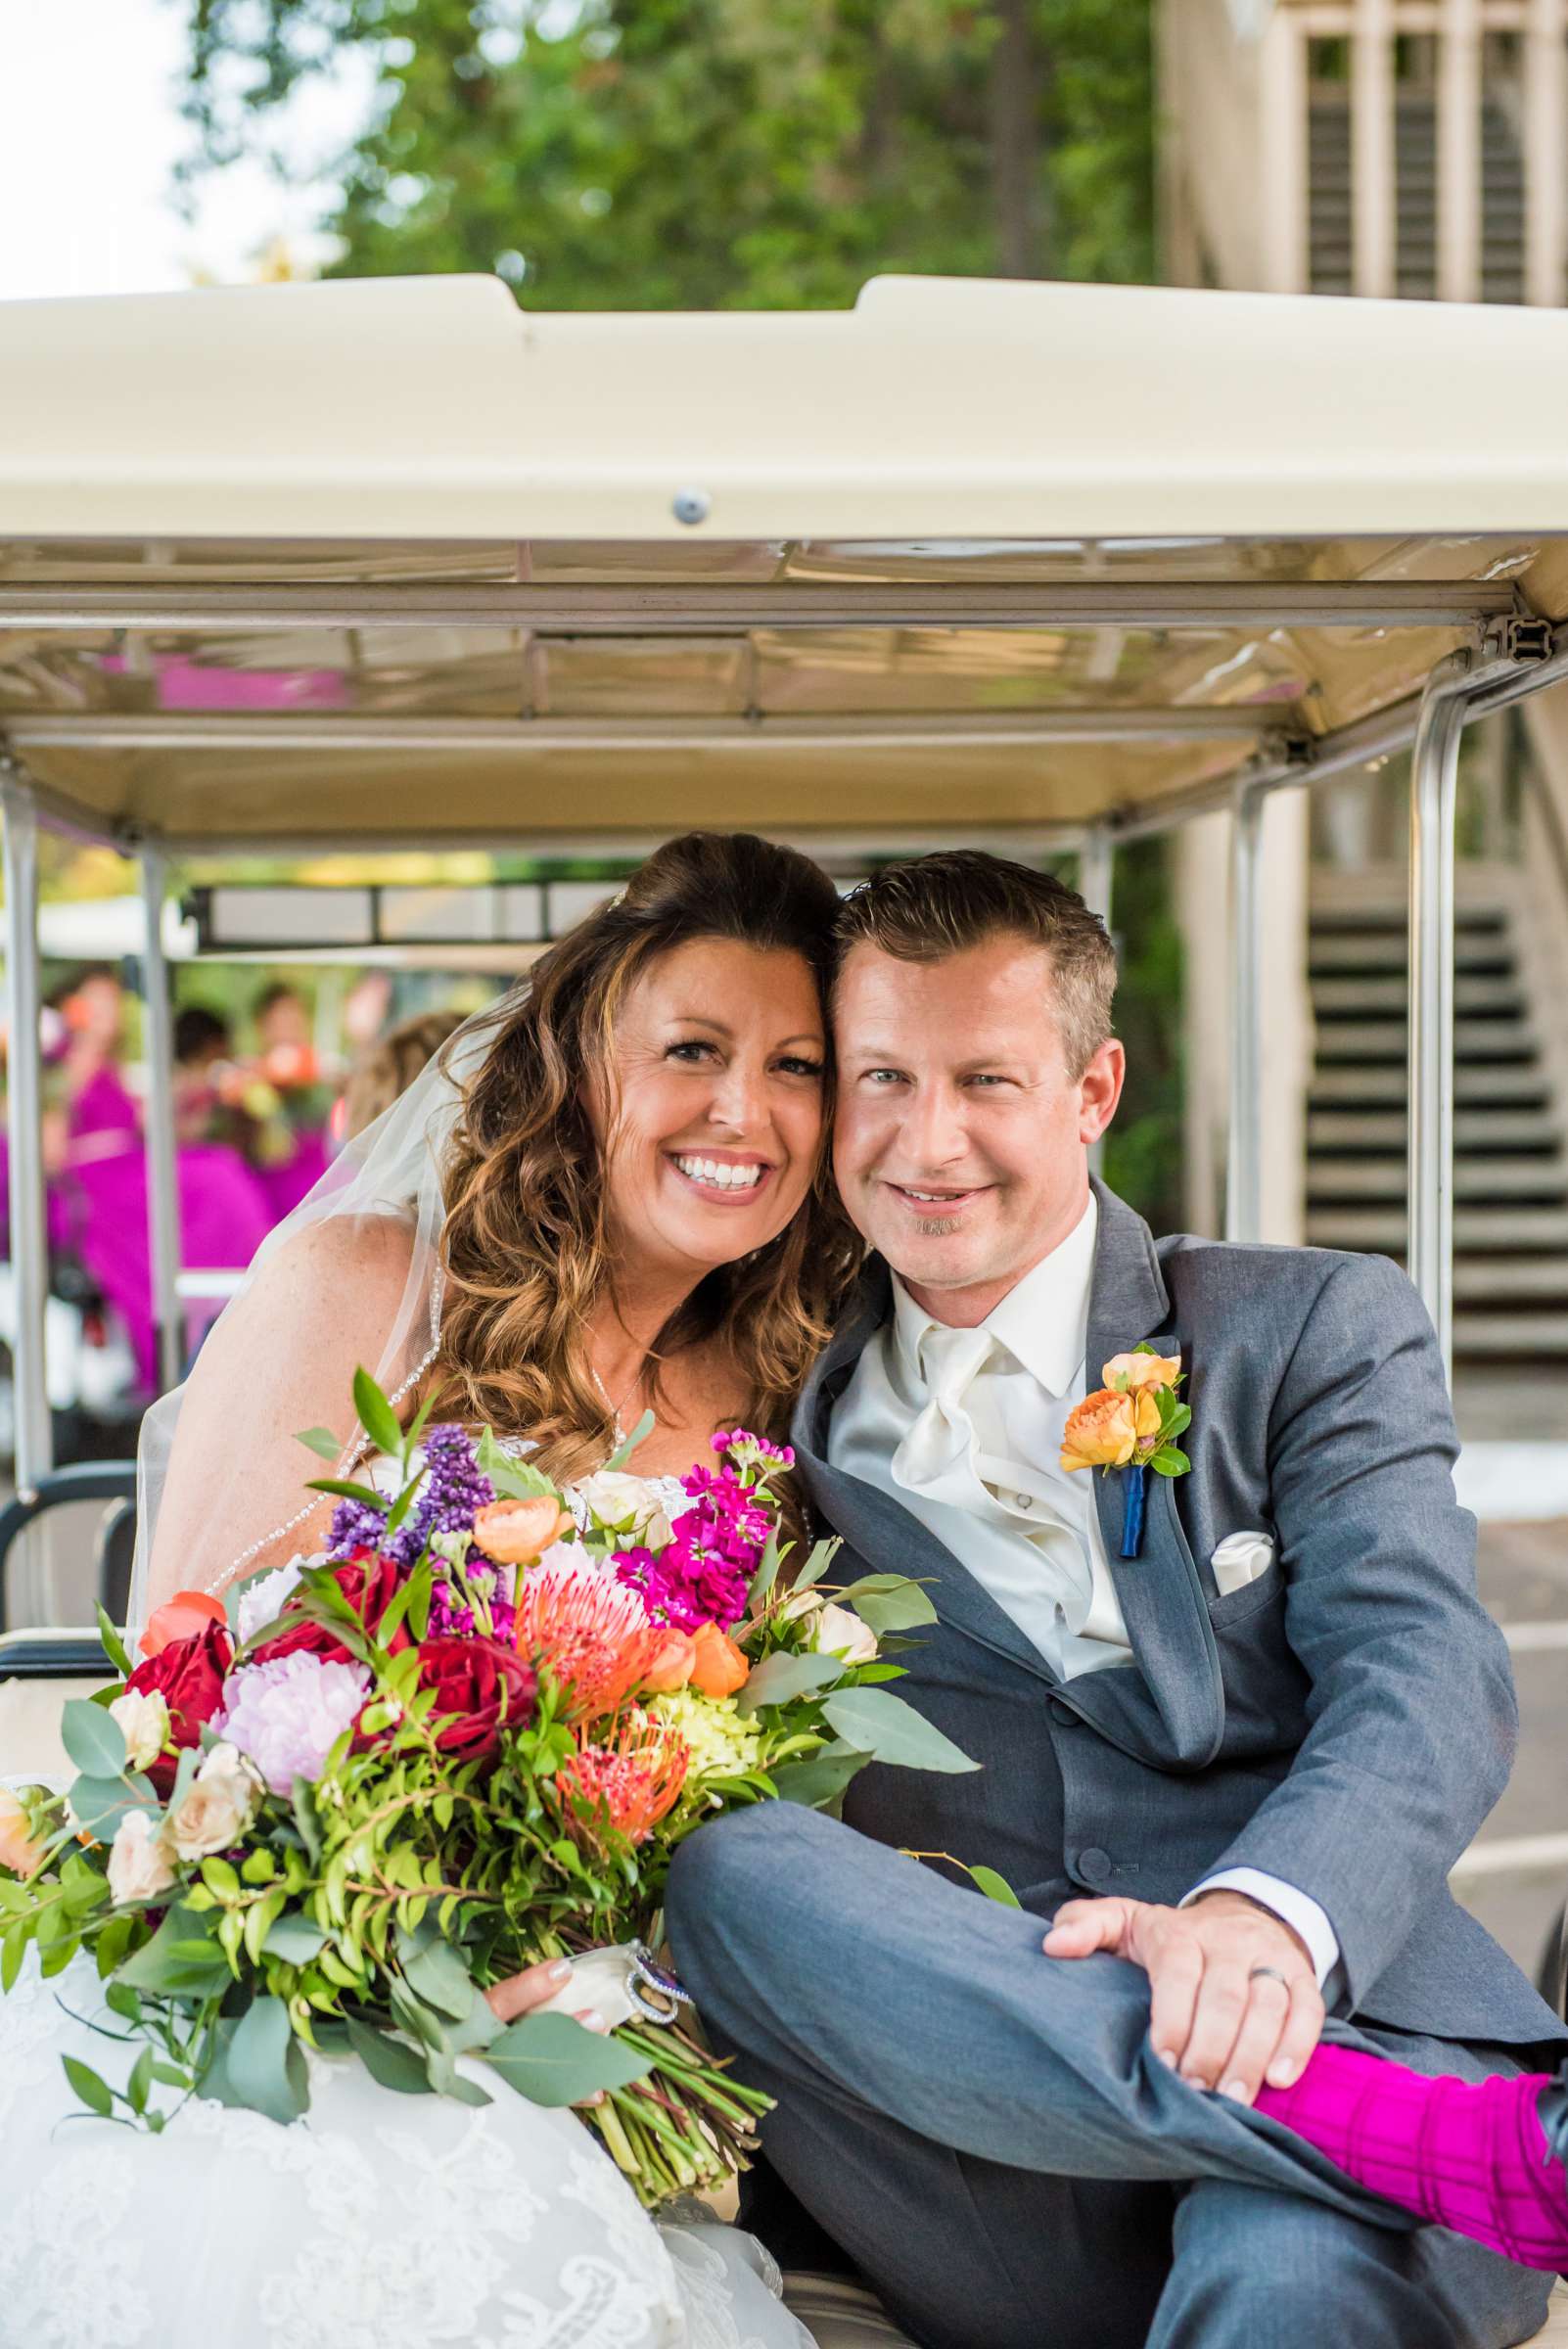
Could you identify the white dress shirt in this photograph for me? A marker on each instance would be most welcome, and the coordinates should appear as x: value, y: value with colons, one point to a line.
x: 964, y: 1427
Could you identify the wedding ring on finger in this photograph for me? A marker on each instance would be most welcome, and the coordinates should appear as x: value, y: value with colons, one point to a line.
x: 1269, y: 1973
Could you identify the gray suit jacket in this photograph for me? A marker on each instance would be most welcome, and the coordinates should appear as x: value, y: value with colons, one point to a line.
x: 1346, y: 1722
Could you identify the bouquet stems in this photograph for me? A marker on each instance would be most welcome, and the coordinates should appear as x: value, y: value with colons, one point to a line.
x: 687, y: 2128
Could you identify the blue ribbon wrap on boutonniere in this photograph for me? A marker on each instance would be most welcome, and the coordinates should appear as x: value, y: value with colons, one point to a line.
x: 1133, y: 1480
x: 1132, y: 1423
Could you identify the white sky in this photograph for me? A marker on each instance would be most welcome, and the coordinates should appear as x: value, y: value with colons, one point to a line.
x: 89, y: 135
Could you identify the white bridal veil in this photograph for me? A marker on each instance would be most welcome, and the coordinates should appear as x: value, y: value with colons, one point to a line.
x: 393, y: 1169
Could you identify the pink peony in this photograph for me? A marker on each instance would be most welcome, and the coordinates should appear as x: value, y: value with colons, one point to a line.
x: 289, y: 1713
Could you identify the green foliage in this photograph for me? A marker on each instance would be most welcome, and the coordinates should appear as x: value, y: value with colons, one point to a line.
x: 1143, y: 1148
x: 712, y: 154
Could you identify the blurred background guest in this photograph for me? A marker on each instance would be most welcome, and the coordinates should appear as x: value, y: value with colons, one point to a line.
x: 387, y: 1067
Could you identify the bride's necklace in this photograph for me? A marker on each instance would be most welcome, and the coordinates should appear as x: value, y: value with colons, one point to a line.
x: 612, y: 1407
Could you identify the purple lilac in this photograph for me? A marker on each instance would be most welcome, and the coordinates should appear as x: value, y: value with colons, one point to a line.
x: 455, y: 1488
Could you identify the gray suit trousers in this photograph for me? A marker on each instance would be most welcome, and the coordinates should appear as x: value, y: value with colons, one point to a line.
x: 988, y: 2134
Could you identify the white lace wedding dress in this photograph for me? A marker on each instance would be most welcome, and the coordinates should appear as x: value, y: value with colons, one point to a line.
x: 377, y: 2221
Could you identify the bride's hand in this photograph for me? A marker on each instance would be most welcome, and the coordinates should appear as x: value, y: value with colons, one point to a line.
x: 520, y: 1993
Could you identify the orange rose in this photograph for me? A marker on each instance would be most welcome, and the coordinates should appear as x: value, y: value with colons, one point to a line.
x: 518, y: 1533
x: 185, y: 1616
x: 19, y: 1850
x: 673, y: 1665
x: 1142, y: 1370
x: 1105, y: 1430
x: 718, y: 1668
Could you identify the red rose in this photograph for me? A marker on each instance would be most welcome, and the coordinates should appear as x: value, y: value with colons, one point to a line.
x: 481, y: 1684
x: 188, y: 1675
x: 369, y: 1583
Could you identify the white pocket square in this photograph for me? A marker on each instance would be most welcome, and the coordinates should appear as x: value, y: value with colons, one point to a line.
x: 1239, y: 1561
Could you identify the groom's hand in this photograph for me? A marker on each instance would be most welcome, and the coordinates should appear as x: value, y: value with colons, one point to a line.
x: 1234, y: 2000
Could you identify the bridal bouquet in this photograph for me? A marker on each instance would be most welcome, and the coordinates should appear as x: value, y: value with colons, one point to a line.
x: 331, y: 1811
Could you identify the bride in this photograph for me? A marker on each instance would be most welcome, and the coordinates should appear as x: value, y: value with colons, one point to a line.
x: 608, y: 1197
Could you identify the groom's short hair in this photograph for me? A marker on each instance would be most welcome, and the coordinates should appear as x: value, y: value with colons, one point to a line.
x: 929, y: 907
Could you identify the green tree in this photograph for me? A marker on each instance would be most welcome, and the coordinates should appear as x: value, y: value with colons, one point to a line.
x: 731, y: 154
x: 711, y: 154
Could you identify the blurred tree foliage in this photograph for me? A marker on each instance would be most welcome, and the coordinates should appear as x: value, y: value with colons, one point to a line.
x: 711, y: 154
x: 735, y: 153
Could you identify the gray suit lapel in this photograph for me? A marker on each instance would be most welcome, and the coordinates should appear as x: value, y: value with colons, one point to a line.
x: 1161, y: 1595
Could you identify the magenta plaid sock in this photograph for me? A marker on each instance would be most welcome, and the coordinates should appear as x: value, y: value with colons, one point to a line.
x: 1468, y: 2154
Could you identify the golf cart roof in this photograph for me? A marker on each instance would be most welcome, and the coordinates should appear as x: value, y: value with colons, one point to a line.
x: 394, y: 561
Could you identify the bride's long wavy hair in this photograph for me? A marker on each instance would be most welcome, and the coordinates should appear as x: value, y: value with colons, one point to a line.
x: 525, y: 1242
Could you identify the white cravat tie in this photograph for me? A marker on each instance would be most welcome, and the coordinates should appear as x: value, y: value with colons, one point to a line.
x: 936, y: 1455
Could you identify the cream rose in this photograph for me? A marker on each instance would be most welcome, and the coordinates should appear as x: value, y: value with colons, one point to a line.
x: 217, y: 1806
x: 628, y: 1505
x: 841, y: 1633
x: 138, y: 1862
x: 141, y: 1717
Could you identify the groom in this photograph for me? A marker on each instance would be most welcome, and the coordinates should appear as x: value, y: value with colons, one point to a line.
x: 1234, y: 1767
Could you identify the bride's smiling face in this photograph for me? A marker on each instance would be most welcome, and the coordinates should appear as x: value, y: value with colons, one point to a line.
x: 716, y: 1128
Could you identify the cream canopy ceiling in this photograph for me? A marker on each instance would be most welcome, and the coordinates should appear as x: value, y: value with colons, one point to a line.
x: 396, y: 561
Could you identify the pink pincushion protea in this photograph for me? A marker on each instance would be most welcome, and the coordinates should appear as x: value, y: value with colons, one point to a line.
x: 588, y: 1633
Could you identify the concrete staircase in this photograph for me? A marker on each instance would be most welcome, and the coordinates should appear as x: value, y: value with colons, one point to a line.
x: 1502, y: 198
x: 1510, y: 1215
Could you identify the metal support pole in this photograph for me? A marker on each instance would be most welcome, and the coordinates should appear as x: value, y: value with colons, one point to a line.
x: 29, y: 1259
x: 1097, y: 871
x: 1097, y: 866
x: 163, y: 1192
x: 1434, y: 781
x: 1244, y: 1160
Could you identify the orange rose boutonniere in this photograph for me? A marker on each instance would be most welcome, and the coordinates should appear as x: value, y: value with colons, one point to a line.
x: 1132, y: 1423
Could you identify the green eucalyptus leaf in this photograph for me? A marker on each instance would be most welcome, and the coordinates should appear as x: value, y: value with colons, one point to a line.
x: 257, y: 2061
x: 98, y: 1805
x: 323, y: 1443
x: 889, y: 1602
x: 883, y: 1725
x: 513, y: 1479
x: 376, y: 1415
x: 389, y: 2062
x: 552, y: 2060
x: 294, y: 1938
x: 819, y: 1777
x: 783, y: 1677
x: 434, y: 1972
x: 94, y: 1742
x: 181, y: 1960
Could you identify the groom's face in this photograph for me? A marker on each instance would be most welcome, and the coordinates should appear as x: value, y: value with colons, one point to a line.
x: 961, y: 1140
